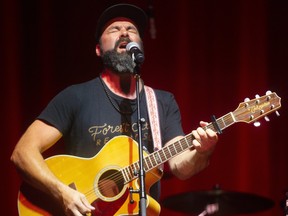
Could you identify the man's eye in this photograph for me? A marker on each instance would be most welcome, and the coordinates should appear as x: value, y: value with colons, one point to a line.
x: 114, y: 29
x: 131, y: 29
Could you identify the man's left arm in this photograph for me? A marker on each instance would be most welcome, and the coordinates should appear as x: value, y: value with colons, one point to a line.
x: 194, y: 160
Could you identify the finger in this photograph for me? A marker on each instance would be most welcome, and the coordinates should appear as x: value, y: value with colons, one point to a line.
x: 196, y: 144
x: 202, y: 133
x: 80, y: 208
x: 211, y: 134
x: 195, y: 135
x: 203, y: 123
x: 197, y: 139
x: 87, y: 204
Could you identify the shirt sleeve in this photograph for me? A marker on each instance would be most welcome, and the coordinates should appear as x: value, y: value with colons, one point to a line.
x: 60, y: 110
x: 170, y: 116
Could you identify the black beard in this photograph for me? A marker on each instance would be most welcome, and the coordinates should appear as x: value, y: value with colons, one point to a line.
x: 118, y: 62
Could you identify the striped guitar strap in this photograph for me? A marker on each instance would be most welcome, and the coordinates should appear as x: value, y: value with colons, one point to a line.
x: 153, y: 117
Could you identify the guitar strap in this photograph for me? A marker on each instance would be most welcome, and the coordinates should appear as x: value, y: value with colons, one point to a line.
x: 153, y: 117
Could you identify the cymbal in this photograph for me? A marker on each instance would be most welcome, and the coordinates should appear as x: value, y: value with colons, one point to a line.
x: 228, y: 202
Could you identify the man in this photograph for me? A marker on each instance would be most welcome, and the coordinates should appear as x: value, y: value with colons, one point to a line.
x: 88, y: 115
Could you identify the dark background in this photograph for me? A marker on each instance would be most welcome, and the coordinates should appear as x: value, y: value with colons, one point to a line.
x: 210, y: 54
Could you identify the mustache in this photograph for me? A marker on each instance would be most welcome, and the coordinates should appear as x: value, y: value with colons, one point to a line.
x: 121, y: 40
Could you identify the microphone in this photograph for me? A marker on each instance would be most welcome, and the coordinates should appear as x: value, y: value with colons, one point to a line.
x: 137, y: 55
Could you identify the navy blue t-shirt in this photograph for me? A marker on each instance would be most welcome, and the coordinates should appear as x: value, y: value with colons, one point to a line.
x: 88, y: 119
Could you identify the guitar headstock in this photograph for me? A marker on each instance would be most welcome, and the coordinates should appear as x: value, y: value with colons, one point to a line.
x: 252, y: 110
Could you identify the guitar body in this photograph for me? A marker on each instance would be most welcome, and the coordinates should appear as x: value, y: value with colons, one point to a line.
x: 106, y: 178
x: 99, y: 178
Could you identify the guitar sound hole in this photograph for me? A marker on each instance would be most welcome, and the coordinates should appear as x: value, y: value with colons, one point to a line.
x: 111, y: 183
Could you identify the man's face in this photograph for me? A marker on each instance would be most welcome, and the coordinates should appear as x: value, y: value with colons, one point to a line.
x: 117, y: 35
x: 112, y: 46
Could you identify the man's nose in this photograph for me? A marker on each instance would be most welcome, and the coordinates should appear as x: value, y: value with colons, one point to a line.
x: 124, y: 32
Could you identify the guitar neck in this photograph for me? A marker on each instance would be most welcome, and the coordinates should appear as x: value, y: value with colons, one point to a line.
x: 159, y: 157
x: 247, y: 111
x: 169, y: 151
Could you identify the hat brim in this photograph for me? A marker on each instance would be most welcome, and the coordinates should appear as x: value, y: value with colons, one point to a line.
x: 132, y: 12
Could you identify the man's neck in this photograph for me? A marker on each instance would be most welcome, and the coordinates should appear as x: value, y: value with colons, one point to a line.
x: 123, y: 85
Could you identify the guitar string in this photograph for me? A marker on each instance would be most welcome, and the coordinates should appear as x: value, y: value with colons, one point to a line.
x: 166, y: 150
x: 115, y: 177
x: 119, y: 177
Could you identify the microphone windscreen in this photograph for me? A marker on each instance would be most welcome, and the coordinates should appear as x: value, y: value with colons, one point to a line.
x: 130, y: 45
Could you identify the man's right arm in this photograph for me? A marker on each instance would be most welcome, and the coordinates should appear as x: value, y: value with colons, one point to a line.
x: 27, y: 157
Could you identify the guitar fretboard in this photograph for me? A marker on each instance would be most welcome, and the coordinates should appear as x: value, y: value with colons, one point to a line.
x: 159, y: 157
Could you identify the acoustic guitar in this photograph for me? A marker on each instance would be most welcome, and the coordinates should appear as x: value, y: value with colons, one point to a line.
x: 108, y: 178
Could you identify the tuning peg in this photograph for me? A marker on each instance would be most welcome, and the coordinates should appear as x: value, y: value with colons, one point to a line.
x: 267, y: 118
x: 257, y: 124
x: 268, y: 95
x: 277, y: 113
x: 246, y: 100
x: 257, y: 96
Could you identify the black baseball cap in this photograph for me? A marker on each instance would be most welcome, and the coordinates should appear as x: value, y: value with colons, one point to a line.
x: 131, y: 12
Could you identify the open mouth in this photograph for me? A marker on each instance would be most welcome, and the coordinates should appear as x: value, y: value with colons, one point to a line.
x: 122, y: 45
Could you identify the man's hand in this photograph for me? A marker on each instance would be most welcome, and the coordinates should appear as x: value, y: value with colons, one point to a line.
x: 204, y: 141
x: 75, y: 203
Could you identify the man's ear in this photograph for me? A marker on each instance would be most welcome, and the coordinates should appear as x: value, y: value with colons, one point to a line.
x: 97, y: 50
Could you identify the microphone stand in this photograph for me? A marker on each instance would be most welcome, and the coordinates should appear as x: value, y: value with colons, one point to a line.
x: 141, y: 173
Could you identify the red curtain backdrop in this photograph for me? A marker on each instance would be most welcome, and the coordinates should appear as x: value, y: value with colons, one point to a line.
x: 210, y: 54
